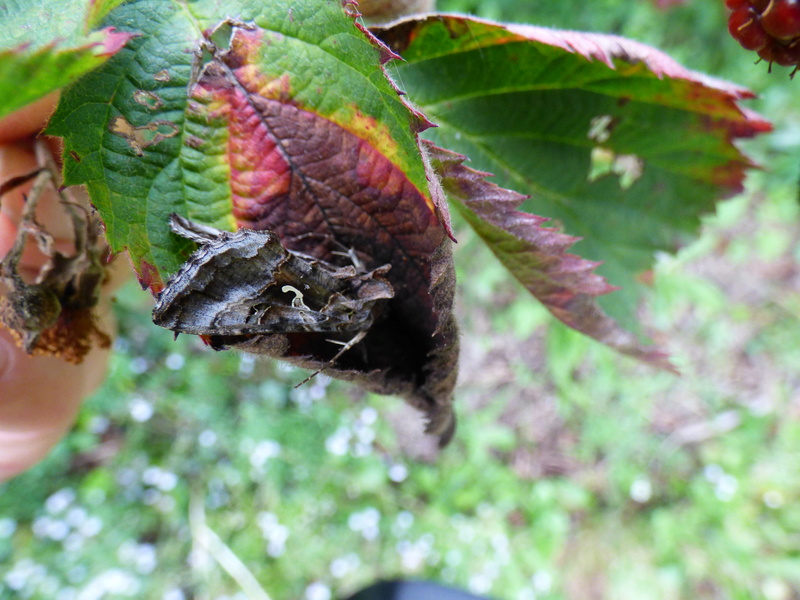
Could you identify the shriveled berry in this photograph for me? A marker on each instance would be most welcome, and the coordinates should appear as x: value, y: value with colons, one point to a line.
x: 781, y: 19
x: 744, y: 26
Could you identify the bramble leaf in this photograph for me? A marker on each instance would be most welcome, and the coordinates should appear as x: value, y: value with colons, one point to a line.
x: 611, y: 139
x: 537, y: 256
x: 46, y: 44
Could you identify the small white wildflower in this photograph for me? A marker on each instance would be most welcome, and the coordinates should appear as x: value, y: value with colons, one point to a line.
x: 713, y: 472
x: 91, y: 527
x: 263, y: 451
x: 139, y: 365
x: 542, y: 582
x: 398, y: 473
x: 480, y: 583
x: 174, y: 594
x: 318, y: 591
x: 207, y: 438
x: 338, y: 443
x: 772, y: 498
x: 99, y: 424
x: 151, y: 496
x: 141, y: 410
x: 7, y: 527
x: 57, y: 530
x: 726, y: 488
x: 76, y: 516
x: 641, y: 490
x: 175, y: 361
x: 59, y: 501
x: 73, y: 542
x: 145, y: 559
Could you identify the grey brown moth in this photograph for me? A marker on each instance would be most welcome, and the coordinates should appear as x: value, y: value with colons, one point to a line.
x: 246, y: 283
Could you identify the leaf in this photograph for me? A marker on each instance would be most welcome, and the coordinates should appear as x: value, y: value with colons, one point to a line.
x: 611, y: 139
x: 273, y: 116
x: 44, y: 46
x: 564, y: 283
x: 98, y: 9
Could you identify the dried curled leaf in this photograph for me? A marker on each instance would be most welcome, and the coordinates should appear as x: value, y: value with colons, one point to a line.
x: 54, y: 315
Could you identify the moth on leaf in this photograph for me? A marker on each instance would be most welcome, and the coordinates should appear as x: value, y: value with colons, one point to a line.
x: 245, y: 290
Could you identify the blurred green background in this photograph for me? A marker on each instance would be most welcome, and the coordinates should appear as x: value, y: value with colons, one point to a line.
x: 575, y: 474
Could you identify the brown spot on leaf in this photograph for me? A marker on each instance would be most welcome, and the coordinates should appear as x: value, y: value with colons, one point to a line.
x: 148, y: 99
x: 193, y: 141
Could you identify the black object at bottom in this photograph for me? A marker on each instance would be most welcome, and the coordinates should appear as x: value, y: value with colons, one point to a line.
x: 412, y: 590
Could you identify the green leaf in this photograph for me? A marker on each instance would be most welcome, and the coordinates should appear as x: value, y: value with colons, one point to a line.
x: 40, y: 23
x: 537, y: 256
x: 44, y: 46
x: 98, y: 9
x: 613, y: 140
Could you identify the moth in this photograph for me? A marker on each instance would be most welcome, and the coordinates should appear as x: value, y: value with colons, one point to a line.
x: 246, y: 283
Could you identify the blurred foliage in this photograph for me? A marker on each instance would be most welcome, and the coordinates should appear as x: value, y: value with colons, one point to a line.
x: 575, y: 473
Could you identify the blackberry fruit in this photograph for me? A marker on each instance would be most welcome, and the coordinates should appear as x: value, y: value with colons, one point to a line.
x: 769, y: 27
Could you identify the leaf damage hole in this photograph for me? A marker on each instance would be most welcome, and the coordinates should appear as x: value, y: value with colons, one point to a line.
x: 600, y: 128
x: 143, y: 137
x: 628, y: 167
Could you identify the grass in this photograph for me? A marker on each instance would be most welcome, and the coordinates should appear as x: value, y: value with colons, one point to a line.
x: 575, y: 473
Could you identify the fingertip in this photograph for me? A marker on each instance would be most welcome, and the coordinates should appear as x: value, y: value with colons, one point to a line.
x: 29, y: 120
x: 39, y: 401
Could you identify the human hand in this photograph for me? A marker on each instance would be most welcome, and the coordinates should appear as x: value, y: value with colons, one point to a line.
x: 39, y: 395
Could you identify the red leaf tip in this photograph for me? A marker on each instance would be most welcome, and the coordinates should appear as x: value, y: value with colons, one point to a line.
x: 113, y: 40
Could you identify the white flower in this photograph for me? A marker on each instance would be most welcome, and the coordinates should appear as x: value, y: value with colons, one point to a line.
x: 7, y: 527
x: 175, y: 361
x: 207, y: 438
x: 641, y: 490
x: 398, y: 473
x: 141, y: 410
x: 318, y: 591
x: 339, y: 442
x: 263, y: 451
x: 59, y: 500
